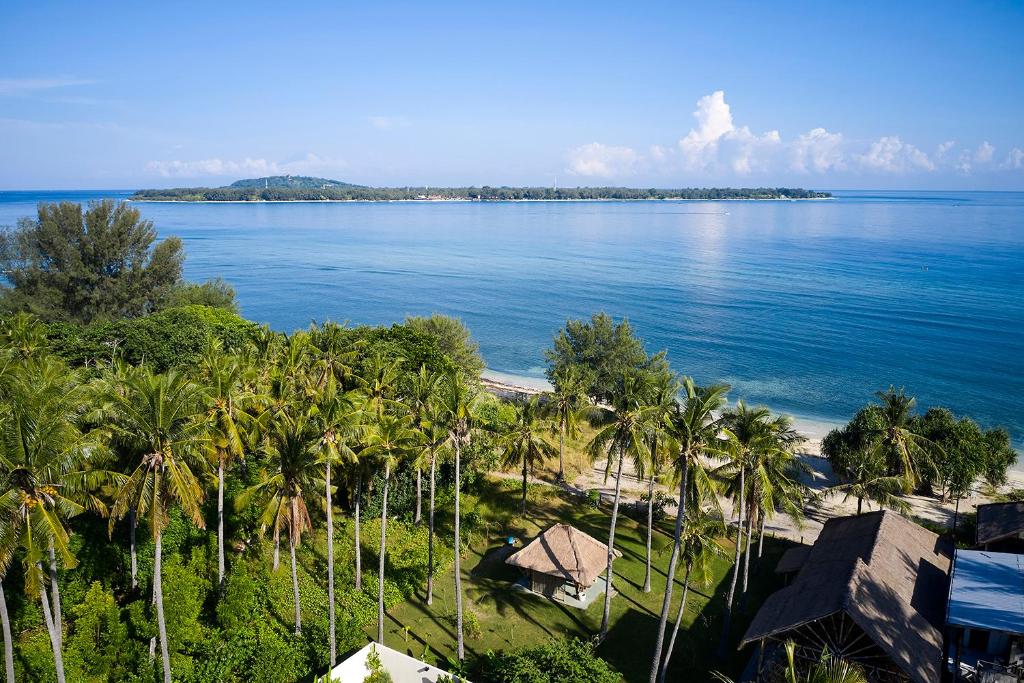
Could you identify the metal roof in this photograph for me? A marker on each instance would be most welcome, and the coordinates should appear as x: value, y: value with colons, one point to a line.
x: 987, y: 591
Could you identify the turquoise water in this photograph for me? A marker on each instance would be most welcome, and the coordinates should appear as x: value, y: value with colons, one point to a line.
x: 808, y: 306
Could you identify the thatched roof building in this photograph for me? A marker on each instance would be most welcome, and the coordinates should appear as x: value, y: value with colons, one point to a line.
x: 565, y: 554
x: 1001, y: 526
x: 872, y: 589
x: 793, y: 559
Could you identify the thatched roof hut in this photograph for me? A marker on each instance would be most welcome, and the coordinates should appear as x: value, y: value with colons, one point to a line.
x: 872, y: 589
x: 1000, y: 526
x: 564, y: 553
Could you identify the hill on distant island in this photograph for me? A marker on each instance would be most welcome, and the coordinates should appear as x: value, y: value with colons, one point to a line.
x: 294, y: 182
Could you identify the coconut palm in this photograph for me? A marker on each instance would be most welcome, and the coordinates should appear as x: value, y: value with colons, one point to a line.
x: 565, y: 406
x: 333, y: 354
x: 390, y: 440
x: 661, y: 404
x: 827, y: 669
x: 458, y: 401
x: 379, y: 381
x: 522, y: 442
x: 699, y: 547
x: 163, y: 418
x: 863, y: 476
x: 337, y: 423
x: 904, y: 451
x: 420, y: 400
x: 5, y: 622
x: 293, y: 475
x: 696, y: 430
x: 624, y: 436
x: 44, y: 481
x: 225, y: 379
x: 433, y: 436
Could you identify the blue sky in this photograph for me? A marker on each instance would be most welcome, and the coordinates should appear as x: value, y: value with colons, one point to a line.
x: 823, y: 95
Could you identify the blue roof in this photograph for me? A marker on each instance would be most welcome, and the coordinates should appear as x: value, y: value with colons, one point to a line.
x: 987, y: 591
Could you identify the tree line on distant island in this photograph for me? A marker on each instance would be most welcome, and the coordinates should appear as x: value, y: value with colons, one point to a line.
x: 256, y: 193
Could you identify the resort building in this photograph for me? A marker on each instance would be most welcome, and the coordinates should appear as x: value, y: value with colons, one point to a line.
x: 402, y: 668
x: 872, y: 589
x: 1000, y: 527
x: 564, y: 564
x: 985, y: 617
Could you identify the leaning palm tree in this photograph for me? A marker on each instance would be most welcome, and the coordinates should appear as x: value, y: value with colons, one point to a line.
x: 522, y: 443
x: 624, y: 436
x: 700, y: 546
x: 904, y: 451
x: 224, y: 377
x: 696, y: 430
x: 389, y: 441
x: 337, y: 423
x: 294, y: 474
x: 163, y: 418
x: 457, y: 403
x: 565, y: 406
x: 44, y: 481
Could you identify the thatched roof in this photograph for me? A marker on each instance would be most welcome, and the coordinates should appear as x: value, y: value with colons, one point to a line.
x: 565, y: 552
x: 998, y: 521
x: 889, y: 575
x: 793, y: 559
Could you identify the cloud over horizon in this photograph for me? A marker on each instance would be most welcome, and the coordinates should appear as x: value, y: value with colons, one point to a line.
x: 716, y: 146
x: 308, y: 164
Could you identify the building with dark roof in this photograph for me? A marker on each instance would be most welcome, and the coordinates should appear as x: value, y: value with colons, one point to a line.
x: 872, y: 589
x: 1001, y: 527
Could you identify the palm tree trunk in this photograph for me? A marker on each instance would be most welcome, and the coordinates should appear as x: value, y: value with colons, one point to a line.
x: 158, y: 594
x: 611, y: 550
x: 760, y: 537
x: 380, y: 559
x: 650, y: 527
x: 277, y: 546
x: 58, y: 657
x: 330, y: 560
x: 132, y: 524
x: 561, y: 451
x: 675, y: 627
x: 727, y: 622
x: 5, y: 621
x: 523, y: 505
x: 295, y: 574
x: 746, y: 552
x: 430, y: 535
x: 461, y: 647
x: 58, y: 617
x: 418, y: 517
x: 666, y: 602
x: 359, y: 552
x: 220, y: 523
x: 860, y: 503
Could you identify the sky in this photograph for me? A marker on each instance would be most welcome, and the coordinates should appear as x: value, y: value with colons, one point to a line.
x: 882, y: 95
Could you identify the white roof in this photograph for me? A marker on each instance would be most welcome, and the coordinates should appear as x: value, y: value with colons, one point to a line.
x: 402, y: 667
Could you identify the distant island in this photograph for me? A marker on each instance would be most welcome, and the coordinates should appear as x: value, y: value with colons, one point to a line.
x: 305, y: 189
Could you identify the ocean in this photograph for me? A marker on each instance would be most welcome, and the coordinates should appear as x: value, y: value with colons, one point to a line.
x: 806, y: 306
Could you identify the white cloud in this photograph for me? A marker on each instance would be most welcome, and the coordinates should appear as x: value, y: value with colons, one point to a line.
x: 716, y: 142
x: 940, y: 151
x: 21, y: 86
x: 984, y: 153
x: 818, y: 150
x: 890, y: 154
x: 1015, y: 159
x: 604, y: 161
x: 308, y: 164
x: 388, y: 122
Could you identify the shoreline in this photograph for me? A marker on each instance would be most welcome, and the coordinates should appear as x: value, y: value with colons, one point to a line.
x: 469, y: 201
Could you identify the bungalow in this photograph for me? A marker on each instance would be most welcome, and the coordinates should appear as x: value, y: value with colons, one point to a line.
x: 1000, y: 527
x: 400, y: 667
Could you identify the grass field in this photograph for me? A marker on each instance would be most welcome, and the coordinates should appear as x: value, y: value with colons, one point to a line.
x: 508, y: 619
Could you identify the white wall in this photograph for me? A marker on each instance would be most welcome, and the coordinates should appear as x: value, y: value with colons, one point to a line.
x: 403, y: 668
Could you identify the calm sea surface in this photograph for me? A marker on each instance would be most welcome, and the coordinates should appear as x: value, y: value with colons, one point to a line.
x: 807, y: 306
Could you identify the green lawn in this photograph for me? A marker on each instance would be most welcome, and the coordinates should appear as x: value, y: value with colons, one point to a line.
x: 510, y: 619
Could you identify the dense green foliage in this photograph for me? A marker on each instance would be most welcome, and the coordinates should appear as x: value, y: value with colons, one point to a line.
x: 295, y: 182
x: 103, y: 263
x: 258, y: 192
x: 215, y: 293
x: 453, y: 338
x: 560, y: 661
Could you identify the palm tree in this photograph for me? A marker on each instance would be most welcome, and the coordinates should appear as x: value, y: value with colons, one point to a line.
x: 458, y: 399
x: 336, y: 420
x: 163, y: 417
x: 565, y: 405
x: 295, y: 468
x: 661, y: 403
x: 904, y: 451
x: 44, y: 482
x: 224, y: 376
x: 389, y: 441
x: 522, y: 443
x: 863, y: 476
x: 624, y: 435
x: 828, y: 669
x: 700, y: 546
x: 696, y: 431
x: 333, y: 354
x: 5, y: 621
x: 433, y: 433
x: 420, y: 400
